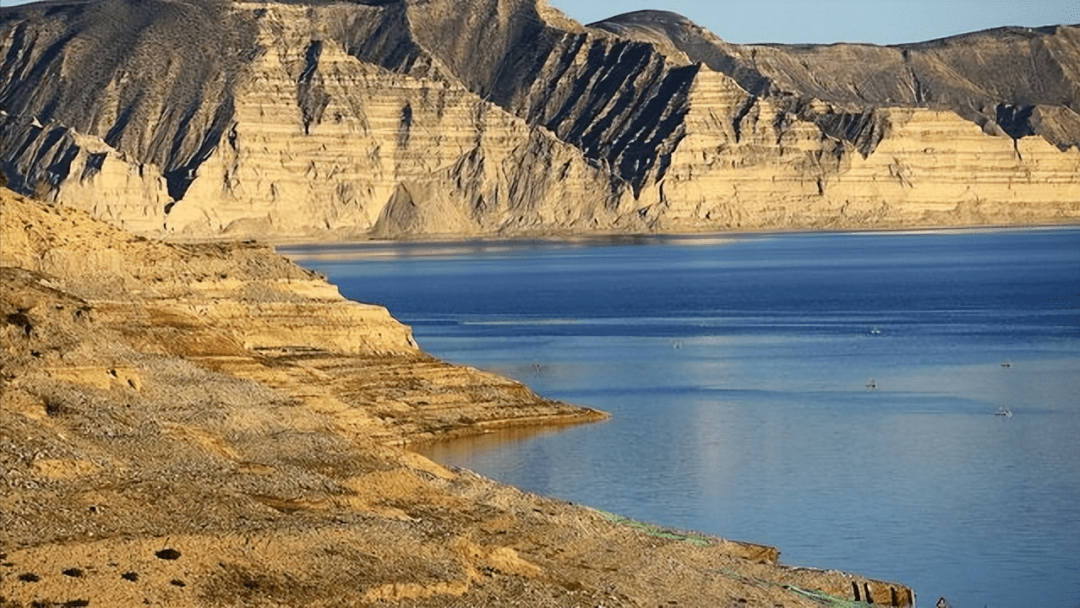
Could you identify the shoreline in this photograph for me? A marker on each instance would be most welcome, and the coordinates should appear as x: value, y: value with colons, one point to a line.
x: 301, y: 252
x: 484, y: 428
x: 601, y: 236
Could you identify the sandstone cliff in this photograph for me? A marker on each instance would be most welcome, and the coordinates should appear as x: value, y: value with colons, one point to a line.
x: 330, y: 120
x: 210, y: 425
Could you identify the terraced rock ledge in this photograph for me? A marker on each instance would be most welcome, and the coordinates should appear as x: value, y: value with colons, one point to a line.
x: 211, y: 425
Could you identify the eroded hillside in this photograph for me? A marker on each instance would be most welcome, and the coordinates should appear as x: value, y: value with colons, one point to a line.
x: 314, y: 120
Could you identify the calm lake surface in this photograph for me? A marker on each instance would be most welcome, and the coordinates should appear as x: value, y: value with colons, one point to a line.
x: 833, y: 395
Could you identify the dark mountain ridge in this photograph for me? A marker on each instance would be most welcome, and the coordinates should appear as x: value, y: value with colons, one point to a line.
x: 990, y: 77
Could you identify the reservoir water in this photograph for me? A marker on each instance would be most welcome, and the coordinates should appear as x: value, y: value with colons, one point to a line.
x: 833, y: 395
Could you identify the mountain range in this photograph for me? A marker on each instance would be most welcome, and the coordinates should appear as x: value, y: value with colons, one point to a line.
x: 323, y: 120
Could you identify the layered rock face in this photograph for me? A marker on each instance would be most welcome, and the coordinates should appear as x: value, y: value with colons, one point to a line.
x: 394, y: 119
x: 240, y: 309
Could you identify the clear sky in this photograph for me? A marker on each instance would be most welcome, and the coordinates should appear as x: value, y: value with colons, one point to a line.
x: 825, y: 21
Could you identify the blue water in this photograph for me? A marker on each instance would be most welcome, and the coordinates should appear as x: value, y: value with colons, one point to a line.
x: 833, y: 395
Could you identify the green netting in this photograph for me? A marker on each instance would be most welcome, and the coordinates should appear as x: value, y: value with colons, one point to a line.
x: 657, y: 531
x: 825, y: 599
x: 820, y: 597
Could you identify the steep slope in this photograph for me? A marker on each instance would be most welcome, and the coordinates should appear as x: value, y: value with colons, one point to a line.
x: 710, y: 140
x: 155, y: 80
x: 311, y: 120
x: 995, y: 78
x: 322, y: 137
x: 295, y: 134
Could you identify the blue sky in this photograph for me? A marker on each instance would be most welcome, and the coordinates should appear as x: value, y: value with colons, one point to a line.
x: 825, y: 21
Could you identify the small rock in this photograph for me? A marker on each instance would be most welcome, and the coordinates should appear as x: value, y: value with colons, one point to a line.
x: 168, y: 554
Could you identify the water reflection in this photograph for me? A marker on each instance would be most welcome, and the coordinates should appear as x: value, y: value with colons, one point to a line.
x: 487, y: 248
x: 491, y: 442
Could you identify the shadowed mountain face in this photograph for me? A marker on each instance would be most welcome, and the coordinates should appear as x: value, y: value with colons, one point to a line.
x: 316, y: 119
x: 153, y: 79
x: 996, y: 77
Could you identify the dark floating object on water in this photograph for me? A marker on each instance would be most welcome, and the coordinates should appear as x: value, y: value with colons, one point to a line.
x: 1003, y: 411
x: 1006, y: 364
x: 941, y: 603
x: 871, y: 384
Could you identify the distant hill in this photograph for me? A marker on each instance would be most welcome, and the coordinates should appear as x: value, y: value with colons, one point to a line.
x: 316, y: 120
x: 1013, y: 80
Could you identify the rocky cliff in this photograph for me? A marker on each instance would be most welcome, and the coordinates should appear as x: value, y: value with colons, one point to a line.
x: 501, y: 117
x: 210, y: 425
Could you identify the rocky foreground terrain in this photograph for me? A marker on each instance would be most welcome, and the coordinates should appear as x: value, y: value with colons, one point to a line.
x: 381, y: 118
x: 211, y: 425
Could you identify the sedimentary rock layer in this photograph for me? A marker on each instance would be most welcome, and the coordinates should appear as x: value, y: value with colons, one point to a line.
x: 501, y: 117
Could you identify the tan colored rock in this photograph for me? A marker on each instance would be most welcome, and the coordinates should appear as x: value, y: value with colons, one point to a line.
x: 504, y: 117
x: 920, y: 175
x: 385, y: 152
